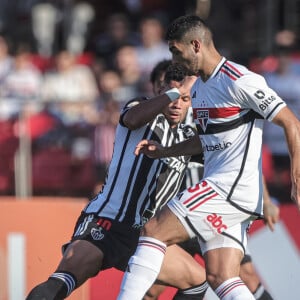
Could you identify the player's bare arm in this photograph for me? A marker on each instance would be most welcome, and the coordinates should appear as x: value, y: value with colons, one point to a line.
x: 291, y: 125
x: 145, y: 111
x: 271, y: 211
x: 153, y: 149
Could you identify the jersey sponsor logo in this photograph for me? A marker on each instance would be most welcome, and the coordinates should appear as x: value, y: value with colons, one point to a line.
x: 174, y: 163
x: 202, y: 115
x: 259, y: 94
x: 266, y: 102
x: 216, y: 222
x: 218, y: 147
x: 96, y: 234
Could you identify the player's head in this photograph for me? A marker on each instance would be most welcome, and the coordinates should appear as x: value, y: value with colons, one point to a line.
x: 189, y: 40
x: 158, y: 74
x: 177, y: 110
x: 187, y: 27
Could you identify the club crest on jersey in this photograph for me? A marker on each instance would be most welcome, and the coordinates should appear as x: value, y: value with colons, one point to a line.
x: 97, y: 234
x: 202, y: 117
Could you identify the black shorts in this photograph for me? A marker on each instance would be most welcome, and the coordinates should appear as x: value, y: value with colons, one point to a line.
x: 246, y: 259
x: 116, y: 240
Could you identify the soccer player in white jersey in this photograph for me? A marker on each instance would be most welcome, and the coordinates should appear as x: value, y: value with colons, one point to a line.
x: 193, y: 175
x: 229, y: 104
x: 106, y: 233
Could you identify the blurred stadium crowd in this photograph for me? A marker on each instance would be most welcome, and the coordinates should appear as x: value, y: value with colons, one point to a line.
x: 67, y: 67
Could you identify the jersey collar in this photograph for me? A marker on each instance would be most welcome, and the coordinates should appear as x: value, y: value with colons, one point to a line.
x: 218, y: 67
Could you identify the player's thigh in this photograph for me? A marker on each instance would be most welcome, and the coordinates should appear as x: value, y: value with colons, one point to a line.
x: 224, y: 252
x: 166, y: 227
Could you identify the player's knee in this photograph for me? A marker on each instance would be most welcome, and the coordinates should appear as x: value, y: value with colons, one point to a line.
x: 214, y: 280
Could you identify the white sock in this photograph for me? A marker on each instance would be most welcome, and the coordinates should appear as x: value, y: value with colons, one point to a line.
x: 143, y: 268
x: 234, y: 289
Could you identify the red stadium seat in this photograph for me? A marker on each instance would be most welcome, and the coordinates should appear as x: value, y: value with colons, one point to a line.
x: 51, y: 171
x: 9, y: 144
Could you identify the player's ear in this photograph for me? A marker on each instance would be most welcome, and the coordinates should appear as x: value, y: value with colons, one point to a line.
x: 196, y: 45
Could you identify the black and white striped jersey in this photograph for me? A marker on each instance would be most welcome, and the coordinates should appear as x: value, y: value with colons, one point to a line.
x: 138, y: 184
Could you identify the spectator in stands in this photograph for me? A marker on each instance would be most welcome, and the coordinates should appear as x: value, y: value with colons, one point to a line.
x: 127, y: 64
x: 22, y: 85
x: 104, y: 136
x: 153, y: 47
x: 118, y: 32
x: 71, y: 87
x: 110, y: 87
x: 6, y: 61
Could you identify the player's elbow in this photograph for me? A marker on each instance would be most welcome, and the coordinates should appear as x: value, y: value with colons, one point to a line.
x: 132, y: 123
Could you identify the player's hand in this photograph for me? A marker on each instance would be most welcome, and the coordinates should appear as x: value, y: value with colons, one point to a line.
x: 184, y: 87
x: 271, y: 214
x: 150, y: 148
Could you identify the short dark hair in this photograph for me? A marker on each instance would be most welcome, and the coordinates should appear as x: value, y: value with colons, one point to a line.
x: 176, y: 72
x: 184, y: 24
x: 159, y: 70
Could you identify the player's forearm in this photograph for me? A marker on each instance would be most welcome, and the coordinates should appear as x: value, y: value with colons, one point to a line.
x: 145, y: 112
x: 293, y: 140
x: 266, y: 194
x: 189, y: 147
x: 291, y: 126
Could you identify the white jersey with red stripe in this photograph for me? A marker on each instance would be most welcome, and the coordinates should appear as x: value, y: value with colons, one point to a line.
x: 229, y: 110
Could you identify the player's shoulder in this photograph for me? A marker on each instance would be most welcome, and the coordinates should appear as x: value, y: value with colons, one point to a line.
x: 133, y: 102
x: 242, y: 71
x: 128, y: 105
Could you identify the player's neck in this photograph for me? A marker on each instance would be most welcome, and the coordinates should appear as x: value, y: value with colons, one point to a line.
x: 209, y: 65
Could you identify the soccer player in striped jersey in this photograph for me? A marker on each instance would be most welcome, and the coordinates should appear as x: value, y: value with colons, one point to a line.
x: 107, y: 232
x: 229, y: 104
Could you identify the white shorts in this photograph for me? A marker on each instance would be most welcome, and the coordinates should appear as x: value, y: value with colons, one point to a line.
x: 206, y: 214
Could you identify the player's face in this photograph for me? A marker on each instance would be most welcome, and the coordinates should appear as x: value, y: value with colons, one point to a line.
x: 185, y: 55
x: 177, y: 110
